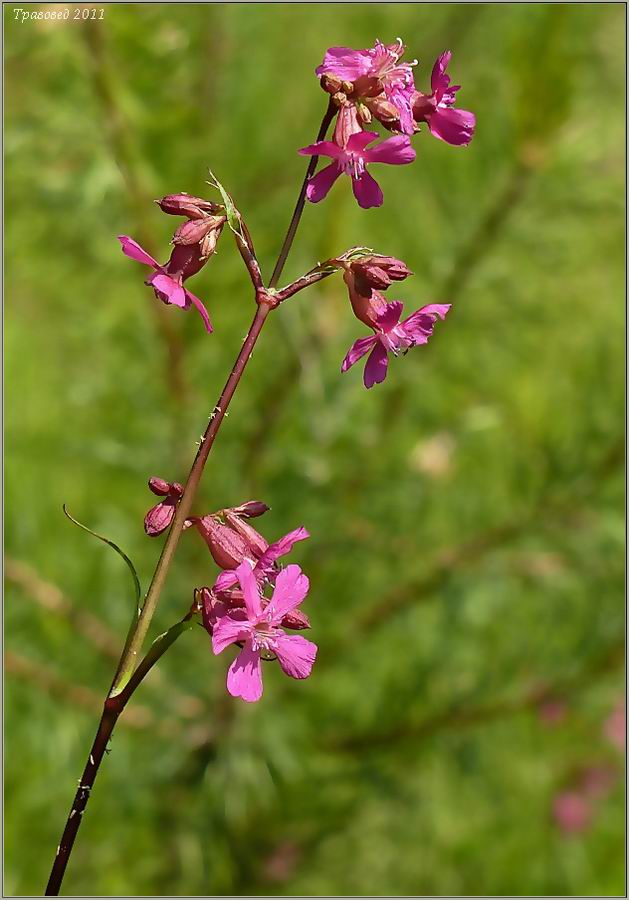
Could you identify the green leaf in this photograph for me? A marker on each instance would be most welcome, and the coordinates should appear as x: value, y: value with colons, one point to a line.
x: 131, y: 567
x: 136, y: 584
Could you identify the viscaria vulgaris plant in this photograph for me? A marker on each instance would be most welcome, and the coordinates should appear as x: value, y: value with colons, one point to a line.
x: 253, y: 603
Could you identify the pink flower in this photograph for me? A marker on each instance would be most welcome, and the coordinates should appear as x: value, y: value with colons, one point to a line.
x: 265, y: 568
x: 258, y: 626
x: 159, y: 517
x: 454, y: 126
x: 167, y: 281
x: 353, y: 160
x: 393, y: 336
x: 374, y: 72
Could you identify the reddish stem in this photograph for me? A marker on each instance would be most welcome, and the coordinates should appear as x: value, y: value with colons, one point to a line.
x: 301, y: 199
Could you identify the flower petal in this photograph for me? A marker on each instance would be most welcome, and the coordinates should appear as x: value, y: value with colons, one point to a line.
x: 437, y: 309
x: 396, y: 151
x: 367, y: 191
x: 280, y: 548
x: 249, y: 585
x: 439, y: 81
x: 322, y: 148
x: 228, y: 629
x: 454, y: 126
x: 376, y: 366
x: 320, y: 184
x: 291, y: 587
x: 359, y: 140
x: 167, y: 289
x: 357, y: 350
x: 133, y: 250
x: 345, y: 63
x: 390, y: 316
x: 224, y: 581
x: 201, y: 309
x: 244, y: 678
x: 295, y: 654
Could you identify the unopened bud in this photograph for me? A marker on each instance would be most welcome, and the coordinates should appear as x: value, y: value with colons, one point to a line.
x: 330, y: 83
x: 159, y: 486
x: 378, y: 272
x: 159, y: 517
x: 363, y: 114
x: 195, y: 230
x: 251, y: 509
x: 383, y: 110
x: 296, y: 620
x: 185, y: 205
x: 367, y: 86
x: 208, y: 244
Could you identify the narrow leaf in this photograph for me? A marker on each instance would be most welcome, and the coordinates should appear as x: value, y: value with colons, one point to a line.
x: 131, y: 567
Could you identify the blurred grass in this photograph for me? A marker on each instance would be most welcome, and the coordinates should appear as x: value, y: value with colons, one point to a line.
x: 467, y: 515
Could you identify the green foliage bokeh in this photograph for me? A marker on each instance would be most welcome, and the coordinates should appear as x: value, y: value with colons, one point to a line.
x: 466, y: 516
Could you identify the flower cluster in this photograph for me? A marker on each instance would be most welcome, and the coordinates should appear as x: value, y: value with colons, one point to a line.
x: 194, y: 243
x: 375, y: 84
x: 235, y: 609
x: 363, y: 277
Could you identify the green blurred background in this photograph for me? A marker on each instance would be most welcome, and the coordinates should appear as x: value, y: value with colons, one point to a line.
x: 466, y: 557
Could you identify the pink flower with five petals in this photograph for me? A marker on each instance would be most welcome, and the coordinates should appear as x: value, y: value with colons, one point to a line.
x: 258, y: 627
x: 392, y: 336
x: 353, y: 160
x: 167, y: 281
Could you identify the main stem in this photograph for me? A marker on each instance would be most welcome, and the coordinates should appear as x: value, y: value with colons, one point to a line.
x: 301, y: 199
x: 126, y: 680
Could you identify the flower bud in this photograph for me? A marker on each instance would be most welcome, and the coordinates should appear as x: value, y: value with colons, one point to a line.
x: 251, y: 509
x: 367, y: 86
x: 256, y: 543
x: 378, y: 272
x: 330, y: 83
x: 159, y: 486
x: 363, y: 114
x: 227, y: 547
x: 208, y: 243
x: 383, y: 110
x: 195, y: 230
x: 159, y: 517
x: 185, y: 205
x: 296, y: 619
